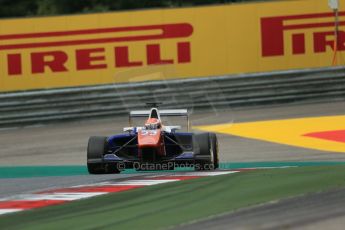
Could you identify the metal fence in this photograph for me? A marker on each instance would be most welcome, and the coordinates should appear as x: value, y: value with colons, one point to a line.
x: 42, y: 106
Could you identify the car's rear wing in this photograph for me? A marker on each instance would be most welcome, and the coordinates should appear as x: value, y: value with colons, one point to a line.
x: 162, y: 113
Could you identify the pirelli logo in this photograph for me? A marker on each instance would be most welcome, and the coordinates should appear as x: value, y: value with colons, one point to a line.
x: 54, y: 58
x: 317, y: 29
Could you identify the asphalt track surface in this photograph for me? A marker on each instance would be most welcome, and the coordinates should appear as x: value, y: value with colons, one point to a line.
x: 304, y: 212
x: 65, y: 144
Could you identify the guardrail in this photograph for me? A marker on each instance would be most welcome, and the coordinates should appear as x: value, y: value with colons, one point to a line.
x: 43, y: 106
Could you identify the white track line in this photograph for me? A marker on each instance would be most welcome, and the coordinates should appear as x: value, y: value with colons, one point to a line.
x: 9, y: 210
x: 142, y: 182
x: 201, y: 174
x: 57, y: 196
x: 138, y: 182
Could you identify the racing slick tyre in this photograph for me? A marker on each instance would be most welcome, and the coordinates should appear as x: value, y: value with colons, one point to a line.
x: 97, y: 146
x: 206, y: 145
x: 214, y: 149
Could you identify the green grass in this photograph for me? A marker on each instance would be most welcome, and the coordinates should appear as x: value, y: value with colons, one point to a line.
x: 164, y: 205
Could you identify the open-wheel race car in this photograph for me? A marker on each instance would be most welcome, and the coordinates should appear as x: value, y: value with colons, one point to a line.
x: 153, y: 146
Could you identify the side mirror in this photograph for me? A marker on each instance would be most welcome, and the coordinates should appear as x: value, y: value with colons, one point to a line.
x: 128, y: 129
x: 174, y: 128
x: 170, y: 129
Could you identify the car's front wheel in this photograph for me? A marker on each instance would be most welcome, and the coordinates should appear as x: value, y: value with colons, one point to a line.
x: 96, y: 148
x: 206, y: 146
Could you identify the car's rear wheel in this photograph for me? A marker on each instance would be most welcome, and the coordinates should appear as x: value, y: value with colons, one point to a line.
x: 97, y: 146
x: 206, y: 150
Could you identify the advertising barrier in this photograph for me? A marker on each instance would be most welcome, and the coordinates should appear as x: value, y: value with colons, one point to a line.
x: 93, y: 49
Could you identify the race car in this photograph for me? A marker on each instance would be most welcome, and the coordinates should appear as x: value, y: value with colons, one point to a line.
x: 153, y: 146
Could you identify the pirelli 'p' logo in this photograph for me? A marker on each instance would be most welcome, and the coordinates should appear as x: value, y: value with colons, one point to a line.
x: 54, y: 58
x: 317, y: 29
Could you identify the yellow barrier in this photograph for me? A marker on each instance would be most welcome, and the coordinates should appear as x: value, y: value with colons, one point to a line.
x: 92, y: 49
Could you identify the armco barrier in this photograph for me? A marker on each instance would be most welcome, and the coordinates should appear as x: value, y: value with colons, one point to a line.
x: 43, y: 106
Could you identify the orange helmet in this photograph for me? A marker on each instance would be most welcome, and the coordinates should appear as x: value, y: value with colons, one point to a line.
x: 152, y: 123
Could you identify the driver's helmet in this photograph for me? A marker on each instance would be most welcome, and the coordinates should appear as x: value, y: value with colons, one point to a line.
x: 152, y: 123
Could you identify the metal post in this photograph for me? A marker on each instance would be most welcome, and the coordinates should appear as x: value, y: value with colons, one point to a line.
x: 334, y: 5
x: 336, y: 29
